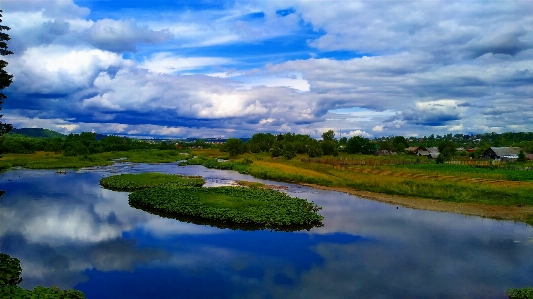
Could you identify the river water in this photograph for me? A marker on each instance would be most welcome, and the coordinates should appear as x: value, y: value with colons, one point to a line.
x: 71, y: 233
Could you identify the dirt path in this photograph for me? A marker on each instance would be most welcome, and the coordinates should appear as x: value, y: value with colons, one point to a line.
x: 515, y: 213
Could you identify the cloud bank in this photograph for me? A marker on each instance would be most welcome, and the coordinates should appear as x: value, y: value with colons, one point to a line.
x: 246, y: 67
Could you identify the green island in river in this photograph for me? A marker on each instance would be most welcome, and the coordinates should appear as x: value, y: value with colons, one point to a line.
x: 241, y: 206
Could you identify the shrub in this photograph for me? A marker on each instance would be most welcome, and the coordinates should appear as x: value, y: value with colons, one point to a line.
x: 525, y: 293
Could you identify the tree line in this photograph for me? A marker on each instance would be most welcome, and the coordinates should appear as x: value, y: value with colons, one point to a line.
x: 288, y: 145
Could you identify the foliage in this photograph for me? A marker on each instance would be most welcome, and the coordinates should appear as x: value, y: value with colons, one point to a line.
x: 131, y: 182
x: 288, y: 151
x: 359, y: 145
x: 239, y: 205
x: 5, y: 78
x: 315, y: 151
x: 16, y: 292
x: 10, y: 272
x: 521, y: 156
x: 234, y: 146
x: 399, y: 144
x: 330, y: 147
x: 329, y: 135
x: 277, y: 149
x: 525, y: 293
x: 448, y: 150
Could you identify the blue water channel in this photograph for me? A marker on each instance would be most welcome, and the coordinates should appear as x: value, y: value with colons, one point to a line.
x: 71, y: 233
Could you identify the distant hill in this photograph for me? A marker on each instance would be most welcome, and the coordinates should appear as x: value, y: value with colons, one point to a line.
x: 37, y: 132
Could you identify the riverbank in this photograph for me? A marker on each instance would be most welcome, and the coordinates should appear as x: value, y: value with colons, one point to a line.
x: 512, y: 213
x: 470, y: 192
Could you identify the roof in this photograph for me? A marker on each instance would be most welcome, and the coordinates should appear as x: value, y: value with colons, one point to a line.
x: 529, y: 156
x: 506, y: 151
x: 423, y: 153
x: 411, y: 149
x: 433, y: 150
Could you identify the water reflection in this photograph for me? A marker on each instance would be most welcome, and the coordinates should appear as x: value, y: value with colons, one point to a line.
x: 69, y: 232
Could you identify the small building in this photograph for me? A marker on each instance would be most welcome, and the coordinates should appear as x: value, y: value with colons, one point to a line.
x: 433, y: 152
x: 529, y: 156
x: 411, y: 150
x: 430, y: 152
x: 502, y: 153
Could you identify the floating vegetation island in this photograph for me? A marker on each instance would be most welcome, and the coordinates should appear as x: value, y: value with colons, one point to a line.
x: 132, y: 182
x: 242, y: 207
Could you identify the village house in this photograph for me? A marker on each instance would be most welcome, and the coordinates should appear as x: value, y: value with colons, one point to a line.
x: 411, y: 150
x: 502, y: 153
x: 430, y: 152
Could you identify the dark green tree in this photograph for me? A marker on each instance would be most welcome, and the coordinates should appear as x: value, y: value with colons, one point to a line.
x: 343, y: 141
x: 277, y: 149
x: 5, y: 78
x: 328, y: 136
x: 399, y: 143
x: 448, y: 150
x: 10, y: 270
x: 234, y: 146
x: 360, y: 145
x: 314, y: 151
x: 521, y: 156
x: 288, y: 151
x: 330, y: 147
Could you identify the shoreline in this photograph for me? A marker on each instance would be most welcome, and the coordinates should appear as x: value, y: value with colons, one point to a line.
x: 512, y: 213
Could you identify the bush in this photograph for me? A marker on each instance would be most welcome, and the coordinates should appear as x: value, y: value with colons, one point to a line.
x: 314, y: 151
x: 10, y: 277
x: 525, y: 293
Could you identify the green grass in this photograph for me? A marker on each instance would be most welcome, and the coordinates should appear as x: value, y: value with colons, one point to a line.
x: 130, y: 182
x: 49, y: 160
x: 467, y: 171
x: 236, y: 205
x: 223, y: 201
x: 446, y: 190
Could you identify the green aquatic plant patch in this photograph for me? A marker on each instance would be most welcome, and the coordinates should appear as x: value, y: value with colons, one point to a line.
x: 131, y: 182
x: 237, y: 205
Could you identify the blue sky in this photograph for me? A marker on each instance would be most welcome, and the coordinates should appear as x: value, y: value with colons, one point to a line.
x: 235, y: 68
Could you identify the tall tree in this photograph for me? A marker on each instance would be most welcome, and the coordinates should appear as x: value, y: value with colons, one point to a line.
x: 329, y: 135
x: 5, y: 78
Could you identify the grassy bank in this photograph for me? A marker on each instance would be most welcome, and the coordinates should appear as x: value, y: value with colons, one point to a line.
x: 50, y: 160
x: 425, y: 181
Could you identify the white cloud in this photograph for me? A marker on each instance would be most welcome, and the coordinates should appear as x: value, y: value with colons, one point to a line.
x: 168, y: 63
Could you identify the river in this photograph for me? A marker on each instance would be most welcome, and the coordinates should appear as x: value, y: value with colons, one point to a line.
x: 71, y: 233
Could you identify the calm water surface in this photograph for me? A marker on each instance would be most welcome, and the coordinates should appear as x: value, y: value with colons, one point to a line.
x: 69, y: 232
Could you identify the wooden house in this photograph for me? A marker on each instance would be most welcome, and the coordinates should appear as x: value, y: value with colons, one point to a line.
x: 430, y: 152
x: 502, y: 153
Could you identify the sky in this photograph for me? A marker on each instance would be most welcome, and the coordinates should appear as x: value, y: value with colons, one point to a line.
x: 210, y: 68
